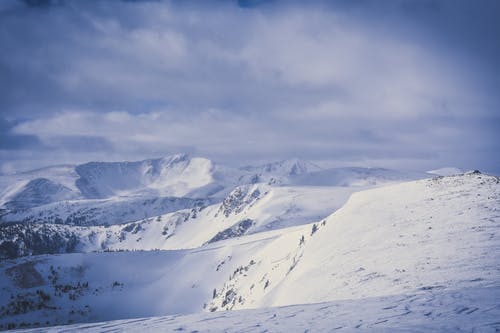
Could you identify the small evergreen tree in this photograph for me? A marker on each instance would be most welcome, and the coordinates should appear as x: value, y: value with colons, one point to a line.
x: 314, y: 229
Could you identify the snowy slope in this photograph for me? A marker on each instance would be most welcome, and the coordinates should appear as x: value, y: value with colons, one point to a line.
x: 39, y: 191
x: 117, y: 210
x: 14, y: 184
x: 425, y: 234
x: 426, y: 242
x: 175, y: 175
x: 263, y: 207
x: 254, y: 208
x: 465, y: 310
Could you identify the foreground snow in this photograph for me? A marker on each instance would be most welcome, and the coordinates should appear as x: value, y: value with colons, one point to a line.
x: 433, y: 310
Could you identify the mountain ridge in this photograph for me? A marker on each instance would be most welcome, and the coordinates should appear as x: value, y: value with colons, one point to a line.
x: 42, y: 195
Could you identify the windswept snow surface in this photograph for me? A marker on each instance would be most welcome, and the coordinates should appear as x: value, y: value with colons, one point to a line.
x: 421, y: 255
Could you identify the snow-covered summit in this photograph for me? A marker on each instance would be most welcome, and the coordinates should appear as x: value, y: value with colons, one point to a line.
x: 280, y: 172
x: 109, y: 193
x: 289, y: 167
x: 175, y: 175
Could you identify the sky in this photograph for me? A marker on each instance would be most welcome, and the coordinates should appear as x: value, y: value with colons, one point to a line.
x: 404, y: 84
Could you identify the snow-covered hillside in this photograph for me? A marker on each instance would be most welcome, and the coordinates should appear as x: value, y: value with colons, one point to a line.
x: 14, y: 185
x: 412, y: 246
x: 175, y: 175
x: 429, y: 234
x: 247, y: 209
x: 91, y: 212
x: 465, y: 310
x: 168, y: 203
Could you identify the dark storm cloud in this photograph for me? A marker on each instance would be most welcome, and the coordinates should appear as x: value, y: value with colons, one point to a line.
x: 409, y: 83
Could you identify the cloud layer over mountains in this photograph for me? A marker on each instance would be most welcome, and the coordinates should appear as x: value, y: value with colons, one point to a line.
x: 408, y: 84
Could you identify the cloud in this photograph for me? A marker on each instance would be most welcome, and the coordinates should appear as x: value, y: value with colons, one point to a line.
x: 10, y: 141
x: 361, y: 82
x: 360, y: 139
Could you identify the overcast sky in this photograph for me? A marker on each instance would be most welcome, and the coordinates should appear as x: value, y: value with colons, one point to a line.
x: 408, y: 84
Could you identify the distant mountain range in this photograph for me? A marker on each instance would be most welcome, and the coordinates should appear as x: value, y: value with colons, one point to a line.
x: 173, y: 176
x: 164, y: 203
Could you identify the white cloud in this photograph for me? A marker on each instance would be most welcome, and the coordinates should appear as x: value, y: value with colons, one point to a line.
x: 234, y: 84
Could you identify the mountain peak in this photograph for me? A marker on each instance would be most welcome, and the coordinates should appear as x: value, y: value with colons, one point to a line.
x: 288, y: 167
x: 175, y: 158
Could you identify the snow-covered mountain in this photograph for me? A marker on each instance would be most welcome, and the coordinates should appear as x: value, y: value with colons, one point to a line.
x: 409, y: 255
x: 428, y: 234
x: 281, y: 172
x: 168, y: 203
x: 99, y: 193
x: 174, y: 176
x: 102, y: 193
x: 14, y: 186
x: 247, y: 209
